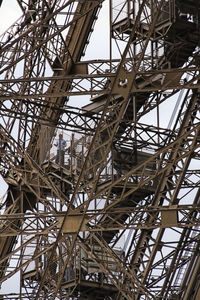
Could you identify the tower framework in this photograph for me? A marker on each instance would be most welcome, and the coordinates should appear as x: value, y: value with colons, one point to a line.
x: 113, y: 212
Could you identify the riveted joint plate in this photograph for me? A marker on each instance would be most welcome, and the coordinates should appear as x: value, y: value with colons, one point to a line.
x: 122, y: 83
x: 169, y: 218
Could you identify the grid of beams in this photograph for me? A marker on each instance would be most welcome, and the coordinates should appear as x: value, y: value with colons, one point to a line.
x: 124, y: 214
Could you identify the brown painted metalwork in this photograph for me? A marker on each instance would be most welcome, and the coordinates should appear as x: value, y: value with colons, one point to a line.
x: 112, y: 212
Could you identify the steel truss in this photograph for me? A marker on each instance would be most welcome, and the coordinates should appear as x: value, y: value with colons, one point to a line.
x: 119, y: 219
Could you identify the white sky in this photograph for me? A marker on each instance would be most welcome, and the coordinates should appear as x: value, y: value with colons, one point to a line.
x: 9, y: 13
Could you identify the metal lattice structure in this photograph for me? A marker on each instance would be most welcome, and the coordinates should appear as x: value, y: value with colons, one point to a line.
x: 118, y: 216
